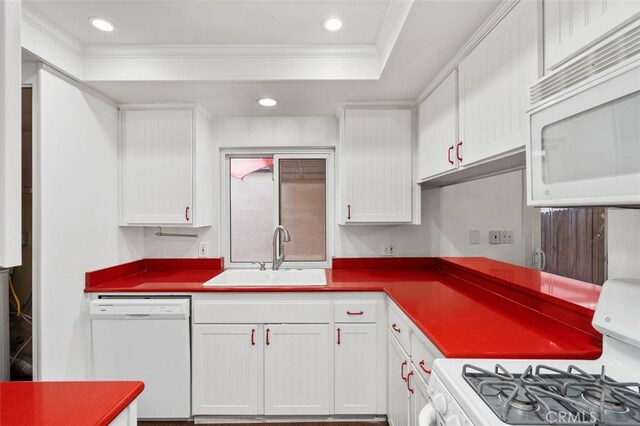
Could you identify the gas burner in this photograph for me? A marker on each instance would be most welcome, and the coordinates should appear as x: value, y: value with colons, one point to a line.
x: 519, y: 399
x: 601, y: 398
x: 543, y: 393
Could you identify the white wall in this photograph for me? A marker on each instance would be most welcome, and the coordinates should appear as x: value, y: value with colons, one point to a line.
x: 349, y: 241
x: 485, y: 204
x: 78, y: 220
x: 10, y: 135
x: 623, y: 243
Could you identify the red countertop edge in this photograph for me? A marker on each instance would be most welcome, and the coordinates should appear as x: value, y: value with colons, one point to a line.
x: 106, y: 275
x: 117, y: 409
x: 52, y: 402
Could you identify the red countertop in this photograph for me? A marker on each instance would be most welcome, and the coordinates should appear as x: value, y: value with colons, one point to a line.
x: 64, y: 403
x: 468, y: 307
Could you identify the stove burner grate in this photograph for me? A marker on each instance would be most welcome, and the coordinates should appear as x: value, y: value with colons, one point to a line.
x: 544, y: 393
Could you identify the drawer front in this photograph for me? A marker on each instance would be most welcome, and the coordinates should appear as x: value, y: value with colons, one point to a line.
x: 356, y: 311
x: 423, y: 354
x: 400, y: 328
x: 261, y: 312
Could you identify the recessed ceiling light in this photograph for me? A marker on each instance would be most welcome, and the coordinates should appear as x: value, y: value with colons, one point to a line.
x: 332, y: 24
x: 268, y: 102
x: 102, y: 24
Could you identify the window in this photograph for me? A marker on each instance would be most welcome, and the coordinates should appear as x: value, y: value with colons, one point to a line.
x: 267, y: 190
x: 573, y: 241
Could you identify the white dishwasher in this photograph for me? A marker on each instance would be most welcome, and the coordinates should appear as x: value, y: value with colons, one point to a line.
x: 145, y: 339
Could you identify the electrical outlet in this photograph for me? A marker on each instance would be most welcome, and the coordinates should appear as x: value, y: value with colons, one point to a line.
x: 494, y: 237
x: 388, y: 249
x: 474, y: 236
x: 506, y: 237
x: 203, y: 250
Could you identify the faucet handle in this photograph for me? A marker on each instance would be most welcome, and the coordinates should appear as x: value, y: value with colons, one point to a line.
x: 262, y: 268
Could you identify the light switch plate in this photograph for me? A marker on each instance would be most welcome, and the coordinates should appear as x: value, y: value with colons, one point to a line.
x: 494, y: 237
x: 474, y: 236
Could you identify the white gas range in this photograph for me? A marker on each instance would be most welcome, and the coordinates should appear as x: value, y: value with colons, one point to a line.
x: 606, y: 391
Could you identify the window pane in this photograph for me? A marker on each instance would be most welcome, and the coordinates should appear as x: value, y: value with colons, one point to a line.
x: 303, y: 192
x: 573, y: 241
x: 251, y: 209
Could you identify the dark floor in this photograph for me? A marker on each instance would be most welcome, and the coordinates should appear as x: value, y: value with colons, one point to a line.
x: 270, y: 424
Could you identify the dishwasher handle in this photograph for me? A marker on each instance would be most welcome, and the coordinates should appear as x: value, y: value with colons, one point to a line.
x: 139, y: 309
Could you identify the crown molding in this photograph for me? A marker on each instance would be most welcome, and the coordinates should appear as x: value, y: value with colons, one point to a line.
x: 394, y: 19
x: 121, y: 62
x: 49, y: 29
x: 98, y: 51
x: 501, y: 11
x: 412, y: 105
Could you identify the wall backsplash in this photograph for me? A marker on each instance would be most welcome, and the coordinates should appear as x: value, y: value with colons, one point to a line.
x: 448, y: 213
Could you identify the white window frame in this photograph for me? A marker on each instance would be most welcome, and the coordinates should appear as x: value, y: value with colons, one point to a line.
x: 277, y: 154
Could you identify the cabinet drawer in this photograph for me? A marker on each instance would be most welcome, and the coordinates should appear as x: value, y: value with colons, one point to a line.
x: 260, y: 312
x: 399, y: 327
x: 423, y: 354
x: 356, y: 311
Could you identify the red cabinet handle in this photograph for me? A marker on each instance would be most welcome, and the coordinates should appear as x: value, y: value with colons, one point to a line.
x: 349, y: 211
x: 338, y: 335
x: 268, y: 343
x: 355, y: 313
x: 402, y: 370
x: 458, y: 156
x: 395, y: 328
x: 421, y: 364
x: 409, y: 381
x: 449, y: 154
x: 253, y: 337
x: 186, y: 213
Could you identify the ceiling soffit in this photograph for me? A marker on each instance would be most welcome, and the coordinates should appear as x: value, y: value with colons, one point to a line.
x: 149, y: 62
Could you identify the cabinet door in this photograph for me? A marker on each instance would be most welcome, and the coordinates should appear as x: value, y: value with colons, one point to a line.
x: 226, y: 369
x: 571, y: 26
x: 297, y: 369
x: 157, y: 167
x: 376, y: 165
x: 494, y: 80
x: 397, y: 392
x: 355, y: 366
x: 419, y: 396
x: 438, y: 131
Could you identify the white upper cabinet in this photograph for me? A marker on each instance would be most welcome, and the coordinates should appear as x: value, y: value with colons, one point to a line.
x: 438, y: 130
x: 166, y: 167
x: 571, y: 26
x: 377, y: 178
x: 493, y: 87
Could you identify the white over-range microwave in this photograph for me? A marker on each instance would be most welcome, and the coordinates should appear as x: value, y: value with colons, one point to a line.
x: 584, y: 145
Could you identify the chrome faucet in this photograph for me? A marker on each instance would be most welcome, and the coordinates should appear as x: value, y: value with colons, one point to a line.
x: 278, y: 250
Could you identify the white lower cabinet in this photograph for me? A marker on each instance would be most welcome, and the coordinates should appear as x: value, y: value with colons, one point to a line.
x: 296, y: 362
x: 397, y: 391
x: 226, y: 362
x: 355, y: 364
x: 419, y: 395
x: 268, y: 356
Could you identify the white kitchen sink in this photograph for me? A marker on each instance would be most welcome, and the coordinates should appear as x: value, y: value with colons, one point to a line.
x: 256, y: 278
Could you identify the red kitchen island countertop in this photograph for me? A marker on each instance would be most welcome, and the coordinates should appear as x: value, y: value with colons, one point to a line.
x: 468, y: 307
x: 64, y: 403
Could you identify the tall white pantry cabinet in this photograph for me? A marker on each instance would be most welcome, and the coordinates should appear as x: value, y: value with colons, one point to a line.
x: 166, y: 166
